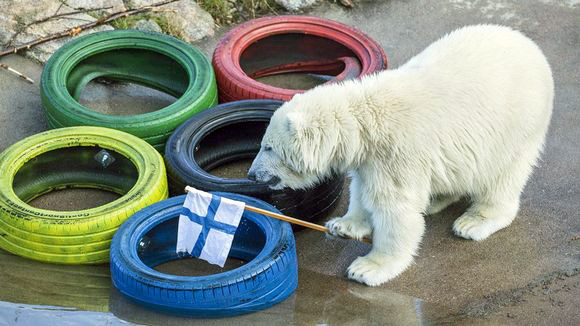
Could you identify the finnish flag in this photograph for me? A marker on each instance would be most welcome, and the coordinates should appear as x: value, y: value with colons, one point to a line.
x: 207, y: 225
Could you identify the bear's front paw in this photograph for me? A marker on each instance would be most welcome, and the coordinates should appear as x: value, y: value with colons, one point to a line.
x: 347, y: 227
x: 375, y: 269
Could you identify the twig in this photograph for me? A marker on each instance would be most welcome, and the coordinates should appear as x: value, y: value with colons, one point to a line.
x: 17, y: 73
x: 77, y: 29
x: 156, y: 10
x: 79, y: 11
x: 59, y: 6
x: 76, y: 18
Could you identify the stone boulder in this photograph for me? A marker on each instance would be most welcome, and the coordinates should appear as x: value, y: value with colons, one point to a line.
x: 186, y: 17
x: 296, y: 5
x: 148, y: 25
x: 19, y: 21
x: 17, y: 25
x: 113, y: 5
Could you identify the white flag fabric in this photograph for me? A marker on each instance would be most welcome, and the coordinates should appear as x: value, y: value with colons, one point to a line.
x: 207, y: 225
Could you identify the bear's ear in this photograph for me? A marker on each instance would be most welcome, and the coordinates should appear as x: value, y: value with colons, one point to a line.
x: 308, y: 140
x: 294, y: 123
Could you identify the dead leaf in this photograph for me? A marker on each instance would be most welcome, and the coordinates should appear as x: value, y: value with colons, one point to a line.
x: 347, y: 3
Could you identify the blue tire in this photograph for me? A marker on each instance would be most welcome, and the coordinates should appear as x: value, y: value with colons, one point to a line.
x: 148, y: 239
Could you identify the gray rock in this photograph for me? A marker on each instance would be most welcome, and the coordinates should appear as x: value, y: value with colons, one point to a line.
x: 295, y: 5
x: 116, y: 5
x: 15, y: 16
x: 186, y: 17
x: 7, y: 26
x: 148, y: 25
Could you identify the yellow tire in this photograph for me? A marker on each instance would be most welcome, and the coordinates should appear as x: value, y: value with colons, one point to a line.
x: 75, y: 157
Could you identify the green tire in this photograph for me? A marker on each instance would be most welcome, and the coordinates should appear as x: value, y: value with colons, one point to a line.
x: 149, y: 59
x: 68, y: 158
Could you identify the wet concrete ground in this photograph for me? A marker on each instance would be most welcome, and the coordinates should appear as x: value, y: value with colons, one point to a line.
x: 526, y: 274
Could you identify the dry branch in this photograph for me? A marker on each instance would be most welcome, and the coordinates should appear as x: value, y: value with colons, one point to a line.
x: 17, y: 73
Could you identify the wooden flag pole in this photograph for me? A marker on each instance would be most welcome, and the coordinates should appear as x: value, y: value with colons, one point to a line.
x: 292, y: 220
x: 289, y: 219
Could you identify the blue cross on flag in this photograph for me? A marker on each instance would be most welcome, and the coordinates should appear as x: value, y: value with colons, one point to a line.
x: 207, y: 225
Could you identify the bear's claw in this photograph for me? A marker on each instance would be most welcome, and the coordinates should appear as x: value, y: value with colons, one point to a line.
x: 347, y: 227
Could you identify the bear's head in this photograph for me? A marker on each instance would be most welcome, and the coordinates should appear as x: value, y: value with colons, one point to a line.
x: 304, y: 143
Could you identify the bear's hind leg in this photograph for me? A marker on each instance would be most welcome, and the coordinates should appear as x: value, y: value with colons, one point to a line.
x: 496, y: 207
x: 355, y: 223
x: 483, y: 219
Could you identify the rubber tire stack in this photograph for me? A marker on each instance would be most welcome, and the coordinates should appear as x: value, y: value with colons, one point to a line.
x: 73, y: 237
x: 304, y: 38
x: 232, y: 132
x: 147, y: 240
x: 150, y: 59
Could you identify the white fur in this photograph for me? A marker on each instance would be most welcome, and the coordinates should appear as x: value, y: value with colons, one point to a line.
x: 465, y: 117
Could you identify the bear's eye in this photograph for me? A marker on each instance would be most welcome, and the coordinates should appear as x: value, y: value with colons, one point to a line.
x: 267, y: 148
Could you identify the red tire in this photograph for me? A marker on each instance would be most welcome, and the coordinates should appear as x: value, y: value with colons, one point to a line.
x: 282, y: 44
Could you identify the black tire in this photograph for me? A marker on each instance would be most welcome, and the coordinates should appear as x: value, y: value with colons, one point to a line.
x: 148, y: 239
x: 231, y: 132
x: 150, y: 59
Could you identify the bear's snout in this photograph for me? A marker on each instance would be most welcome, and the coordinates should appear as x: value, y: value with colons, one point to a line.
x: 262, y: 176
x: 252, y: 175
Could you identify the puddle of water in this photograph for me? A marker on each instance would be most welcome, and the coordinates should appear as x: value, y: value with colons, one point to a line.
x: 38, y: 293
x: 31, y: 315
x: 30, y: 282
x: 319, y: 300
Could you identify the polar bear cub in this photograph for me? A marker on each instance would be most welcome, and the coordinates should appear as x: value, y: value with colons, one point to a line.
x: 467, y: 117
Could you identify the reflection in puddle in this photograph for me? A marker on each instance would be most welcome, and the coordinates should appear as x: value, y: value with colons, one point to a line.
x: 30, y: 282
x: 31, y: 315
x: 41, y: 290
x: 319, y: 300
